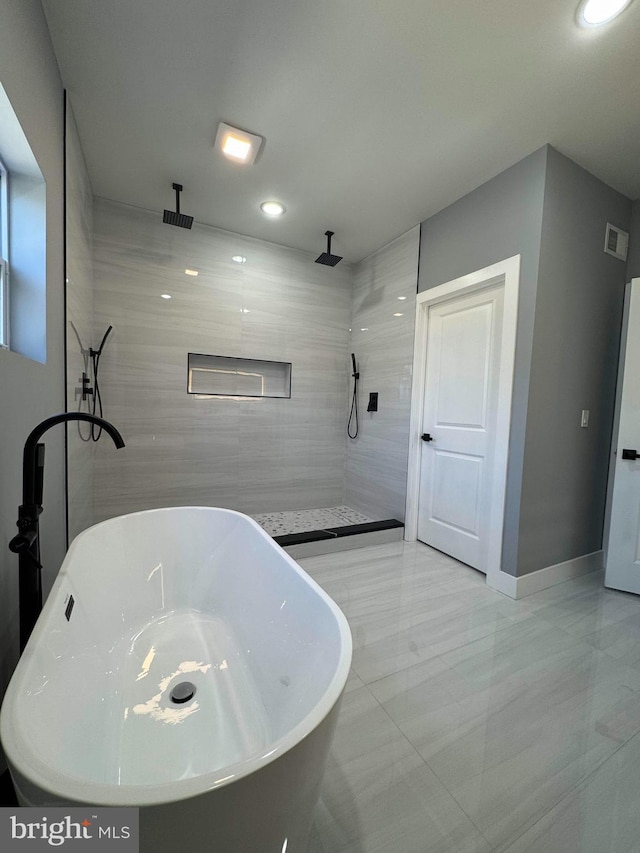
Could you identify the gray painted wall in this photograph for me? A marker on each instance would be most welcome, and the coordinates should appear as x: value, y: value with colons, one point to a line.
x: 553, y: 213
x: 29, y: 390
x: 573, y: 367
x: 633, y: 260
x: 500, y: 219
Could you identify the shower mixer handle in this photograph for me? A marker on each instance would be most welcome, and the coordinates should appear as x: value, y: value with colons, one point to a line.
x: 87, y: 390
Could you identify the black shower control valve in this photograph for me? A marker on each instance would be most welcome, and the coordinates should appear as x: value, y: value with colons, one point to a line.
x: 86, y: 390
x: 373, y: 402
x: 630, y: 454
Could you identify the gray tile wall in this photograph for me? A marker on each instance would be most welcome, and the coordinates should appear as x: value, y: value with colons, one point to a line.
x: 79, y: 277
x: 257, y: 455
x: 376, y: 472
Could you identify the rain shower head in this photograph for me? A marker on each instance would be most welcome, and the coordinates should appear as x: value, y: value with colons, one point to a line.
x: 175, y: 217
x: 327, y: 258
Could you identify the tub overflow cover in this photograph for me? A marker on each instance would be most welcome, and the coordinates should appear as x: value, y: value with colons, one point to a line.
x: 182, y: 692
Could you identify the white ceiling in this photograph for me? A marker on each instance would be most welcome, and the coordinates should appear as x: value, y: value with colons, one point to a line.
x: 376, y: 113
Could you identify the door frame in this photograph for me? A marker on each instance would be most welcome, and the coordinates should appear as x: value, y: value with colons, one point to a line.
x: 609, y: 582
x: 506, y: 273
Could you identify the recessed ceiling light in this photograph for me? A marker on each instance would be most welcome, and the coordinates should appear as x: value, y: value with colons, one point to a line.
x: 238, y: 145
x: 165, y: 295
x: 364, y: 330
x: 593, y: 13
x: 244, y: 310
x: 272, y: 208
x: 402, y: 298
x: 398, y: 315
x: 237, y: 148
x: 190, y: 272
x: 239, y: 259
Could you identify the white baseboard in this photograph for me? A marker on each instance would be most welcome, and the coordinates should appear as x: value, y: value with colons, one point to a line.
x: 519, y: 587
x: 504, y: 583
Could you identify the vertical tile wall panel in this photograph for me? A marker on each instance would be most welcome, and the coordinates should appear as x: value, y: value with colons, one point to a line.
x: 79, y: 322
x: 254, y: 455
x: 376, y: 470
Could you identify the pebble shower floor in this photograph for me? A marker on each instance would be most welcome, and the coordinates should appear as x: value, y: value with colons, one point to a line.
x: 305, y: 520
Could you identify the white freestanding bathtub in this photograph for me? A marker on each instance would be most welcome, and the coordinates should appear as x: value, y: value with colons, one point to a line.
x: 185, y: 664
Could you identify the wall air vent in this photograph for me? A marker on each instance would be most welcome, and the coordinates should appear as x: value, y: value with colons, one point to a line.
x: 616, y: 242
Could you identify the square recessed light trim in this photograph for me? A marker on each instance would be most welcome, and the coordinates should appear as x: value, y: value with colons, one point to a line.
x: 238, y: 145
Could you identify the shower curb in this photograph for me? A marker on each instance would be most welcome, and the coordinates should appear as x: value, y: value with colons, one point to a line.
x: 343, y: 538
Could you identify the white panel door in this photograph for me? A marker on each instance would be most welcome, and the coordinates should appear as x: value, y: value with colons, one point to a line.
x: 622, y: 569
x: 459, y: 424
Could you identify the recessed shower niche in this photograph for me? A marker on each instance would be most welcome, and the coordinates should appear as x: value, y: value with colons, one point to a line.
x: 227, y: 376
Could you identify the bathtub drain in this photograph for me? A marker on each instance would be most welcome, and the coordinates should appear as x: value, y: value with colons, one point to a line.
x: 182, y: 692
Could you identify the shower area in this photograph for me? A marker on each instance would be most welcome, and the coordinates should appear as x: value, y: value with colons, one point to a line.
x: 181, y: 305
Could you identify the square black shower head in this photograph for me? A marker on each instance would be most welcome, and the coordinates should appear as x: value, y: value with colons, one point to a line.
x: 328, y: 260
x: 171, y: 217
x: 174, y: 217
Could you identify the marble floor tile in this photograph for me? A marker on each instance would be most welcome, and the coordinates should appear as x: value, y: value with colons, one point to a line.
x: 523, y: 717
x: 600, y: 816
x: 424, y: 626
x: 620, y: 639
x: 475, y: 722
x: 583, y: 607
x: 379, y: 795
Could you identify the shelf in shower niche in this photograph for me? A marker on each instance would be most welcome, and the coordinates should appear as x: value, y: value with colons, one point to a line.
x: 228, y: 376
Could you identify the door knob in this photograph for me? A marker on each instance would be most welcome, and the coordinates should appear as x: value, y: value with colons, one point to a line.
x: 426, y: 437
x: 630, y: 454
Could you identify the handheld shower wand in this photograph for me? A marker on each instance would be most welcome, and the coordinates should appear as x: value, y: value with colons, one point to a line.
x: 96, y: 429
x: 352, y: 431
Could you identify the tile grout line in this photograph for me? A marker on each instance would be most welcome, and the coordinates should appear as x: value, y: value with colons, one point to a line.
x: 424, y: 760
x: 451, y: 794
x: 565, y: 797
x: 439, y: 656
x: 527, y: 826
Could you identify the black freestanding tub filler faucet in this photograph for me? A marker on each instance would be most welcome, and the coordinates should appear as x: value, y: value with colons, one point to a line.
x: 27, y: 542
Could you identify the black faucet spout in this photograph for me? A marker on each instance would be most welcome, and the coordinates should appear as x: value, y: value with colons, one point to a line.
x: 27, y: 543
x: 29, y: 466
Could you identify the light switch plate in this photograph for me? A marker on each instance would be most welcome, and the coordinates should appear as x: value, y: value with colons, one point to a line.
x: 584, y: 420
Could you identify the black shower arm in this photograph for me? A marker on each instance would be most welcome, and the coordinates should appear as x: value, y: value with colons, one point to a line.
x: 329, y: 235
